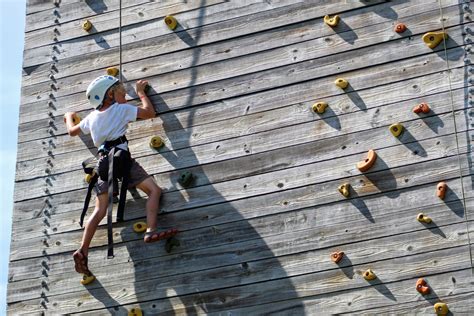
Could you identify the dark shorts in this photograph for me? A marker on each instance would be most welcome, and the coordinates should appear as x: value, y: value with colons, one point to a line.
x: 137, y: 176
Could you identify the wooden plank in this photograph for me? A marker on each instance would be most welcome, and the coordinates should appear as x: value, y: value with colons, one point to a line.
x: 326, y: 175
x: 213, y: 52
x: 322, y: 128
x: 282, y: 201
x: 70, y: 23
x: 141, y: 33
x: 459, y: 304
x: 319, y: 283
x: 257, y: 164
x: 351, y: 300
x: 298, y: 58
x: 182, y: 59
x: 288, y: 95
x: 225, y: 132
x: 293, y: 263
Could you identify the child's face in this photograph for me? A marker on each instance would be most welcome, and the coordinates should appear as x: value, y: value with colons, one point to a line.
x: 119, y: 94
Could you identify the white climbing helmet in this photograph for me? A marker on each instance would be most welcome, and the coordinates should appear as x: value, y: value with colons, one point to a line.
x: 96, y: 90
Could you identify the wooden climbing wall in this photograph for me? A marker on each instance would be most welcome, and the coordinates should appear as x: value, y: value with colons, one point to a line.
x: 234, y: 85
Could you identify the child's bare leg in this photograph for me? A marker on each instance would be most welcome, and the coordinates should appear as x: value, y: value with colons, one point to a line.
x: 92, y: 223
x: 153, y: 203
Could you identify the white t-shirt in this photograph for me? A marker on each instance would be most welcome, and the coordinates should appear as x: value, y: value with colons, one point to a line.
x: 109, y: 124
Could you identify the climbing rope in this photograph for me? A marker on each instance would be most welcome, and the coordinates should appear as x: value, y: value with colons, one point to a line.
x: 120, y: 40
x: 466, y: 220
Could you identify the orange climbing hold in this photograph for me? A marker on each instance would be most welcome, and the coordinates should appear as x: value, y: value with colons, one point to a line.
x: 422, y: 287
x: 400, y: 28
x: 337, y: 256
x: 366, y: 164
x: 441, y: 189
x: 421, y: 108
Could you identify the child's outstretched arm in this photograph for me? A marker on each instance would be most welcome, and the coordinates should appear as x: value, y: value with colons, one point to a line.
x: 146, y: 110
x: 72, y: 130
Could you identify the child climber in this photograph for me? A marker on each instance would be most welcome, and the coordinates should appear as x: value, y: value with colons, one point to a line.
x: 107, y: 125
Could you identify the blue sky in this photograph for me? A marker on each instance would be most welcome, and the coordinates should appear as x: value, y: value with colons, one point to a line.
x: 12, y: 27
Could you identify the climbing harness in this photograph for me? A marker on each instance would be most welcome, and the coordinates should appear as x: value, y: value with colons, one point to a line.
x: 457, y: 139
x: 113, y: 164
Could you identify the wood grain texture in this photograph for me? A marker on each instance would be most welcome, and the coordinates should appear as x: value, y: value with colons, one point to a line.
x: 234, y: 86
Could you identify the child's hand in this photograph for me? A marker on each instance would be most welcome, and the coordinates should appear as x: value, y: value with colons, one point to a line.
x: 69, y: 115
x: 141, y: 85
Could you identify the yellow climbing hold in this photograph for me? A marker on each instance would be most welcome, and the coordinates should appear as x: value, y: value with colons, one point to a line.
x: 112, y: 71
x: 396, y: 129
x: 320, y: 107
x: 432, y: 39
x: 135, y: 312
x: 341, y: 83
x: 345, y: 189
x: 87, y: 279
x: 139, y: 227
x: 88, y: 177
x: 86, y: 25
x: 369, y: 275
x: 441, y: 309
x: 422, y: 218
x: 332, y: 21
x: 171, y: 22
x: 156, y: 142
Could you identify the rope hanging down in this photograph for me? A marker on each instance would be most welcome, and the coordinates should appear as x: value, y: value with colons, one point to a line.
x: 466, y: 220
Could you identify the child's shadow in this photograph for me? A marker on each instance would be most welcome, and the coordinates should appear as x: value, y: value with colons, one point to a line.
x: 192, y: 300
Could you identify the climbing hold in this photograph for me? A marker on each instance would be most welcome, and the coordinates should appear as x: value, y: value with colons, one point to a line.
x: 337, y: 256
x: 135, y: 312
x: 171, y: 22
x: 320, y: 107
x: 341, y: 83
x: 441, y: 189
x: 422, y: 218
x: 88, y: 177
x: 432, y: 39
x: 396, y: 129
x: 76, y: 119
x: 156, y: 142
x: 369, y: 275
x: 87, y: 279
x: 345, y: 189
x: 422, y: 287
x: 441, y: 309
x: 331, y: 21
x: 366, y: 164
x: 421, y: 108
x: 86, y: 25
x: 400, y: 28
x: 185, y: 178
x: 170, y: 243
x: 112, y: 71
x: 139, y: 227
